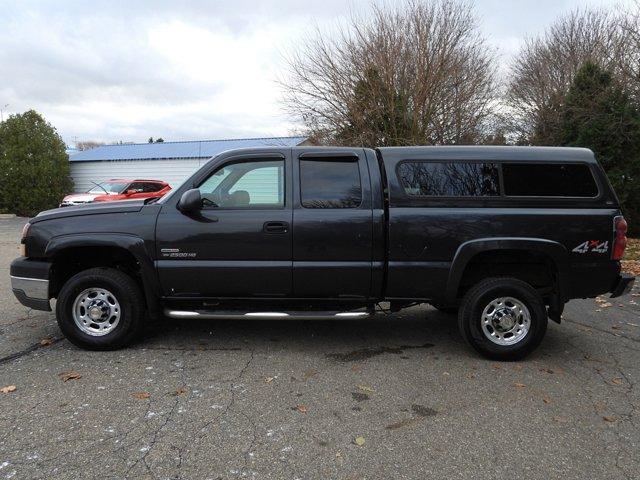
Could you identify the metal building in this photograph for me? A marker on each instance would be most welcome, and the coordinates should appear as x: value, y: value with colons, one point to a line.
x: 168, y: 161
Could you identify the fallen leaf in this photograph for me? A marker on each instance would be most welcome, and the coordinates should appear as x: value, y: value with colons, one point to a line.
x: 519, y: 385
x: 609, y: 419
x: 71, y: 375
x: 356, y: 368
x: 8, y: 389
x: 615, y: 327
x: 517, y: 367
x: 471, y: 375
x: 45, y: 342
x: 268, y: 379
x: 366, y: 389
x: 178, y: 392
x: 633, y: 324
x: 560, y: 419
x: 309, y: 373
x: 403, y: 423
x: 546, y: 400
x: 617, y: 381
x: 301, y: 408
x: 359, y: 441
x: 496, y: 366
x: 141, y: 395
x: 606, y: 305
x: 338, y: 455
x: 547, y: 370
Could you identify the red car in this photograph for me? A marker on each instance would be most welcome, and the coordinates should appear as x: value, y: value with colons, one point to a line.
x: 118, y: 189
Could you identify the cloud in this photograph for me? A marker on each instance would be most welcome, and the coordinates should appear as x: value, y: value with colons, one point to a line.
x: 116, y: 70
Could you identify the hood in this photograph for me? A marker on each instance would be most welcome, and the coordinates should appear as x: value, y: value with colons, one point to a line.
x: 124, y: 206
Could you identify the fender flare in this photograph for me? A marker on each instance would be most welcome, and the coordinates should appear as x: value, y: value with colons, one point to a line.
x: 132, y: 243
x: 556, y: 251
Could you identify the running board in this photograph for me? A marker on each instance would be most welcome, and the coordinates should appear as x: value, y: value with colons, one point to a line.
x: 237, y: 315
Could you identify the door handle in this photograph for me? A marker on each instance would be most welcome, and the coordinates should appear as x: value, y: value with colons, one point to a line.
x: 275, y: 227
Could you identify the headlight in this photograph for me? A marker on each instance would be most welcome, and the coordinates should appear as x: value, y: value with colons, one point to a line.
x: 25, y: 230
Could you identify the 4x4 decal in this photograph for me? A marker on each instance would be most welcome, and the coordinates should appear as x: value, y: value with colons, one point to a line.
x: 595, y: 246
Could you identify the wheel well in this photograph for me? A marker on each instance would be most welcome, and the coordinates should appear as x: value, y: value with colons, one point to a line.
x: 70, y: 261
x: 535, y: 268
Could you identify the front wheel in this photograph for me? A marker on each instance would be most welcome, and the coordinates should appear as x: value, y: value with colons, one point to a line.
x: 100, y: 309
x: 503, y: 318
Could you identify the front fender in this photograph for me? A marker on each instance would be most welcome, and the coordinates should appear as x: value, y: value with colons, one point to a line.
x: 554, y: 250
x: 132, y: 243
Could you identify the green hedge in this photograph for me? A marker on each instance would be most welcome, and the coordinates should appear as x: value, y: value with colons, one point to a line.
x: 34, y: 168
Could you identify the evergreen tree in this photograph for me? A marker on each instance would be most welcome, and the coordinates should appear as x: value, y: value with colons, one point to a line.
x: 598, y: 114
x: 34, y: 168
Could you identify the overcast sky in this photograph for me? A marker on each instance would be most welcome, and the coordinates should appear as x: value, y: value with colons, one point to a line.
x: 116, y: 70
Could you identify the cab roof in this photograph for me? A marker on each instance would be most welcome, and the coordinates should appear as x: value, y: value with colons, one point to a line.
x: 482, y: 152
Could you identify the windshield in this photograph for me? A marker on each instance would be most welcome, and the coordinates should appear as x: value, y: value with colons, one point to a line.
x: 109, y: 187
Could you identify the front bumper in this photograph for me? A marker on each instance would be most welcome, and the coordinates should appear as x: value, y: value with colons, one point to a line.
x: 624, y: 285
x: 30, y: 283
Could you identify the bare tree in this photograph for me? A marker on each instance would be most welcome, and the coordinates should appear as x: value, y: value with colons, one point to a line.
x: 88, y: 144
x: 419, y: 73
x: 630, y: 24
x: 546, y: 65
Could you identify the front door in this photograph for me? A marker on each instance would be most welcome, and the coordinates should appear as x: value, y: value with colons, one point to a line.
x: 332, y: 224
x: 239, y: 244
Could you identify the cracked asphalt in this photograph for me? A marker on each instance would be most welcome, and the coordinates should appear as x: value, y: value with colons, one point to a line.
x: 398, y: 397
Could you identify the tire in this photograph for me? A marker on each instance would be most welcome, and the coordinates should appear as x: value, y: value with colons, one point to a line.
x: 449, y: 310
x: 109, y: 293
x: 515, y: 338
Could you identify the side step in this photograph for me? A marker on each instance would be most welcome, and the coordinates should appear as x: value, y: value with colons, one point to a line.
x: 238, y: 315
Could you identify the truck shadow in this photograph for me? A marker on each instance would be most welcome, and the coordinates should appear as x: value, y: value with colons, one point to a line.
x: 419, y: 329
x: 343, y: 340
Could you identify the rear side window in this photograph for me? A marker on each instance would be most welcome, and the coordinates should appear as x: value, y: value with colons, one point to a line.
x: 548, y: 180
x: 449, y: 179
x: 331, y: 183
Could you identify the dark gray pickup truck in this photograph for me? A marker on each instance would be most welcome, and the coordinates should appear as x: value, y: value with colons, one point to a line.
x: 504, y: 236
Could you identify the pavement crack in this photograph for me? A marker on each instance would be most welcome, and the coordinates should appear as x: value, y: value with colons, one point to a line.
x: 602, y: 330
x: 36, y: 346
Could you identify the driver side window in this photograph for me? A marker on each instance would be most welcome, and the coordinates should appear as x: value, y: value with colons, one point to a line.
x: 250, y: 184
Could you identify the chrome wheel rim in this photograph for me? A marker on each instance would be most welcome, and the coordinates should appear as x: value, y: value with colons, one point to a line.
x: 506, y: 321
x: 96, y: 311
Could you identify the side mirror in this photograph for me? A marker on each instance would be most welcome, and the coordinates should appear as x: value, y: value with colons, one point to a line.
x: 190, y: 201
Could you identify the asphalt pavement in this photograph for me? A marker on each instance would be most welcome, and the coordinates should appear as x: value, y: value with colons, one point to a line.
x: 399, y: 397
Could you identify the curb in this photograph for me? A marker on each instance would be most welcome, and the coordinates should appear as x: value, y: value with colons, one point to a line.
x: 7, y: 216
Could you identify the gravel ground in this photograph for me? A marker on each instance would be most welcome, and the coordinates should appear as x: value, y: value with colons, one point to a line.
x: 397, y: 397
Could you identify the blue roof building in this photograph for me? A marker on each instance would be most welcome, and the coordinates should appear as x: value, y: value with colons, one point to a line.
x: 172, y: 162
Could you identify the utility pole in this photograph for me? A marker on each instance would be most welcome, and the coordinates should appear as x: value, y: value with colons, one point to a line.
x: 1, y: 114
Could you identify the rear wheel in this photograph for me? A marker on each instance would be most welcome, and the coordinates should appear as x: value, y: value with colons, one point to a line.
x: 503, y: 318
x: 100, y: 309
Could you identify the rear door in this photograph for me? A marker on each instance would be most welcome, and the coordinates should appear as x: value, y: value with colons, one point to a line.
x: 332, y: 224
